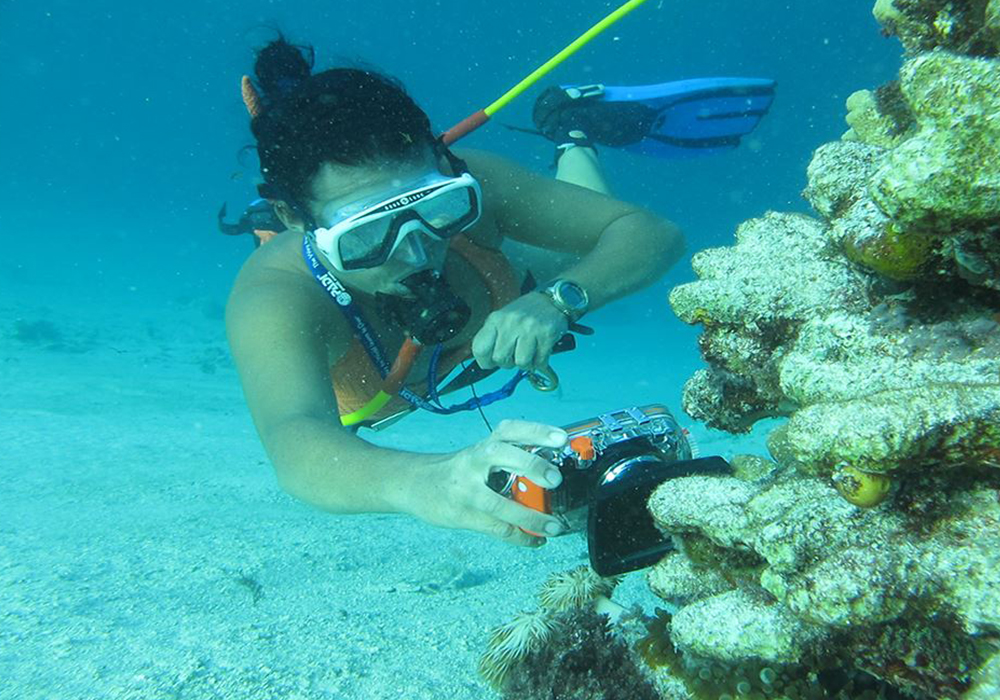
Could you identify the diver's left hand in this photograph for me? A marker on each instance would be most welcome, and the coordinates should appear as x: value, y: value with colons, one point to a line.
x: 521, y: 334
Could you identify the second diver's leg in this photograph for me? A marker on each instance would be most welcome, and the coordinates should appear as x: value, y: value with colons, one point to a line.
x: 578, y: 165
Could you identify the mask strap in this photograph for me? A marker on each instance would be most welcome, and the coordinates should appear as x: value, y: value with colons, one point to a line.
x: 442, y: 151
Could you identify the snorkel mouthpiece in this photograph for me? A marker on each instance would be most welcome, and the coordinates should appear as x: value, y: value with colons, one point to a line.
x: 434, y: 314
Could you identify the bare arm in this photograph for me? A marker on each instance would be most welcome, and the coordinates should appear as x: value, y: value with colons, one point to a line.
x: 282, y: 355
x: 623, y: 247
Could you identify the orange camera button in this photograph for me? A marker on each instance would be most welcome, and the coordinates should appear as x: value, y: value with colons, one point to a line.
x: 583, y: 446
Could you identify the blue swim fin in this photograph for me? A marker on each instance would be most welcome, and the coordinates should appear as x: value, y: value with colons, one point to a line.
x: 669, y: 120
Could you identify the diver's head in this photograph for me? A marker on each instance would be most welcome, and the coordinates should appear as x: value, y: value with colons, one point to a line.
x: 369, y: 240
x: 333, y: 139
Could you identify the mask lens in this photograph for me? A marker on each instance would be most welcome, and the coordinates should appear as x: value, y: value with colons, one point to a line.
x: 363, y: 245
x: 448, y: 212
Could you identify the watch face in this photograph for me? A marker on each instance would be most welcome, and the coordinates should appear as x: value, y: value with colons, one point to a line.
x: 572, y: 295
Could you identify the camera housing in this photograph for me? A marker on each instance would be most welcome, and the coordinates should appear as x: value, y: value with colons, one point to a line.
x: 610, y: 466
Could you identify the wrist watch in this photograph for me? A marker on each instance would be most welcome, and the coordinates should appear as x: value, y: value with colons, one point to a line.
x: 569, y: 297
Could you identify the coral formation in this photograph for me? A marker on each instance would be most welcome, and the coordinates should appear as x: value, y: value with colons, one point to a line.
x: 963, y: 26
x: 879, y: 117
x: 947, y: 176
x: 862, y: 559
x: 902, y: 594
x: 868, y: 547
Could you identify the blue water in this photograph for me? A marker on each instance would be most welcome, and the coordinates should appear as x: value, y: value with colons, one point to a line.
x: 123, y: 125
x: 121, y: 134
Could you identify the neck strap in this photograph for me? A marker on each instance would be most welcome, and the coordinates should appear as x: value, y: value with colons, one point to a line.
x: 369, y: 341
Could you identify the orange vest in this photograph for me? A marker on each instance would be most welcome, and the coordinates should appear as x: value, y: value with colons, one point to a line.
x: 355, y: 378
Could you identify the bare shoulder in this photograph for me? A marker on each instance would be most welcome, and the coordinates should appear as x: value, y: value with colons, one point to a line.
x: 270, y: 262
x: 274, y: 293
x: 283, y: 333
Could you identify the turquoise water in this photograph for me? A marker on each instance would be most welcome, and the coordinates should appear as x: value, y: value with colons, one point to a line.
x: 125, y: 122
x: 147, y: 551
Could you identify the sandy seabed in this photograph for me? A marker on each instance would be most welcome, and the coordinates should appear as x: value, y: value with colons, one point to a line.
x: 147, y: 552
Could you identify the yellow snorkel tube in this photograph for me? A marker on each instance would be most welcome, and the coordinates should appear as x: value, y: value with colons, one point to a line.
x: 477, y: 119
x: 549, y: 380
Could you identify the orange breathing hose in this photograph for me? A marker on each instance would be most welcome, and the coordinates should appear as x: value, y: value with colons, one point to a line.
x: 401, y: 367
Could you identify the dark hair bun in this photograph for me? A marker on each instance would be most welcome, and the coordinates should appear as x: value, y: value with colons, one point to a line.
x: 281, y: 67
x: 348, y: 116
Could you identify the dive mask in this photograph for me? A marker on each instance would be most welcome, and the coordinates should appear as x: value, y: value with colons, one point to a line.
x: 365, y: 234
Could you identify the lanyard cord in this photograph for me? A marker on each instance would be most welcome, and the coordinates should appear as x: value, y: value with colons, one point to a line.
x: 366, y: 336
x: 475, y: 402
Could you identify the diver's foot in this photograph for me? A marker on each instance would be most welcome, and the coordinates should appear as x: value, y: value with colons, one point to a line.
x: 561, y: 112
x: 574, y: 139
x: 557, y: 115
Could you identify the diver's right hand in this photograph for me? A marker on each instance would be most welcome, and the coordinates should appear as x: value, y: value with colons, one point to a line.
x: 451, y: 491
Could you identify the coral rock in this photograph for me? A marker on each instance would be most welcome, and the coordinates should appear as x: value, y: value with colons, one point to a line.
x: 838, y: 175
x: 737, y: 626
x: 677, y: 580
x: 987, y: 684
x: 965, y: 26
x: 878, y: 118
x: 839, y: 567
x: 946, y: 177
x: 932, y: 427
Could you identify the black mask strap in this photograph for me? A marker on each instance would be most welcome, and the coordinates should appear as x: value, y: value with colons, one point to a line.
x: 456, y: 163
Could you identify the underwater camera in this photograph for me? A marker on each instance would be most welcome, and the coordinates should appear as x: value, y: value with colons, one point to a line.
x: 610, y: 466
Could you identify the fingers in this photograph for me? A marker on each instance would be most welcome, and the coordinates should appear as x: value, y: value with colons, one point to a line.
x: 470, y: 504
x: 506, y: 532
x: 543, y: 352
x: 521, y: 517
x: 483, y: 344
x: 490, y: 515
x: 502, y: 517
x: 525, y: 351
x: 522, y: 432
x: 509, y: 458
x: 515, y: 337
x: 511, y: 522
x: 491, y: 348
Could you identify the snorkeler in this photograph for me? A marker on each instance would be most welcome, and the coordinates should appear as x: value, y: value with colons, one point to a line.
x: 389, y: 276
